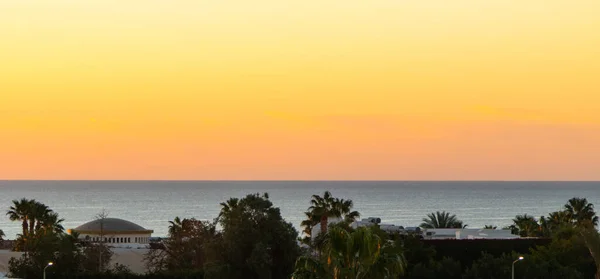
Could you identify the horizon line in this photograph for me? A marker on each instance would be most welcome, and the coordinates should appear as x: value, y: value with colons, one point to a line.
x: 284, y: 180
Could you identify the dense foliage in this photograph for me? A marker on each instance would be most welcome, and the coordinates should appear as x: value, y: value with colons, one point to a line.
x: 44, y: 240
x: 321, y: 209
x: 191, y: 244
x: 250, y: 239
x: 359, y: 253
x: 37, y: 220
x: 254, y: 242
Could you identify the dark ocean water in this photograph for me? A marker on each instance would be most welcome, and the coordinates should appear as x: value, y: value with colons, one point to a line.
x: 152, y: 204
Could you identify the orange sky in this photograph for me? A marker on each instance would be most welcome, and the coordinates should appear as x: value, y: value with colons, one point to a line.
x: 352, y: 89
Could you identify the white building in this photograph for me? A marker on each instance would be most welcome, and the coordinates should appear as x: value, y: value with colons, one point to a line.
x: 468, y: 234
x: 115, y: 232
x: 367, y: 222
x: 316, y: 230
x: 372, y: 221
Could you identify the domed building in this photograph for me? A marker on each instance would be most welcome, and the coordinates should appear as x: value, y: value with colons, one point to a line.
x: 114, y: 231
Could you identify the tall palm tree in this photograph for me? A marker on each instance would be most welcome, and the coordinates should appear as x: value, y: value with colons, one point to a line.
x: 20, y: 211
x: 526, y: 226
x: 345, y: 210
x: 175, y: 226
x: 580, y: 210
x: 229, y: 206
x: 39, y: 211
x: 359, y: 254
x: 439, y: 220
x: 2, y: 235
x: 322, y: 208
x: 307, y: 225
x: 591, y: 238
x: 50, y: 222
x: 554, y: 222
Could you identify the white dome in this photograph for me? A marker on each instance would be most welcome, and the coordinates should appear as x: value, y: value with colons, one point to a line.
x: 111, y: 225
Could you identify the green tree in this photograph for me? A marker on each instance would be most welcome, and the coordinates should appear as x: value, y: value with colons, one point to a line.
x: 554, y: 223
x: 19, y: 211
x: 257, y: 242
x: 176, y: 226
x: 96, y: 257
x: 580, y: 211
x: 36, y: 219
x: 415, y: 251
x: 188, y: 247
x: 591, y: 238
x: 446, y: 268
x: 51, y: 222
x: 441, y: 220
x: 48, y: 246
x: 325, y: 207
x: 307, y: 225
x: 38, y: 212
x: 526, y: 226
x: 490, y: 227
x: 490, y: 267
x: 358, y: 254
x: 565, y: 257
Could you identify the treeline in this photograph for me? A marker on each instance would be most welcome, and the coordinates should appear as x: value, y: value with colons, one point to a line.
x: 250, y: 239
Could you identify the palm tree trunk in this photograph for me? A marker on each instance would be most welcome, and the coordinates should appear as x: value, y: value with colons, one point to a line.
x: 25, y: 227
x: 592, y: 241
x: 32, y: 226
x: 323, y: 224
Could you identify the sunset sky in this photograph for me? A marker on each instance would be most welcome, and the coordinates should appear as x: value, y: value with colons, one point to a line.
x: 309, y: 90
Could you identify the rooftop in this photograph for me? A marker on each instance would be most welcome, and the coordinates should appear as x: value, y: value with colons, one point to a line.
x: 111, y: 225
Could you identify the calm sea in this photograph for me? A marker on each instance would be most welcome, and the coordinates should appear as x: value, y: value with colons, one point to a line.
x: 152, y: 204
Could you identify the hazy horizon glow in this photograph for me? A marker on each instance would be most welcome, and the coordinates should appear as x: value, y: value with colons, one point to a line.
x: 341, y: 90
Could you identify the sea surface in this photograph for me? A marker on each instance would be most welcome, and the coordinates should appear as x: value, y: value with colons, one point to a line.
x: 152, y: 204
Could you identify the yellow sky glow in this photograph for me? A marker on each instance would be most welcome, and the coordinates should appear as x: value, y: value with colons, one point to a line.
x: 349, y: 89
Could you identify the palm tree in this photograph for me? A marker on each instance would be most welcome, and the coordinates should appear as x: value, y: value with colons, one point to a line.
x: 526, y: 226
x: 50, y: 222
x: 580, y: 210
x: 345, y: 208
x: 554, y: 222
x: 441, y: 220
x: 38, y: 212
x: 36, y: 220
x: 310, y: 268
x: 176, y: 226
x: 322, y: 208
x: 308, y: 224
x: 358, y: 254
x: 591, y: 238
x: 2, y: 235
x: 490, y: 227
x: 19, y: 211
x: 229, y: 206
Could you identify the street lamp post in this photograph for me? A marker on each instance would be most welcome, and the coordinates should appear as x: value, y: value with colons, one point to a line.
x: 513, y: 266
x: 47, y: 266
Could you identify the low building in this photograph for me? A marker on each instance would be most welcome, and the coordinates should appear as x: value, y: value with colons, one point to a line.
x: 372, y: 221
x: 114, y: 231
x: 368, y: 222
x: 468, y: 234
